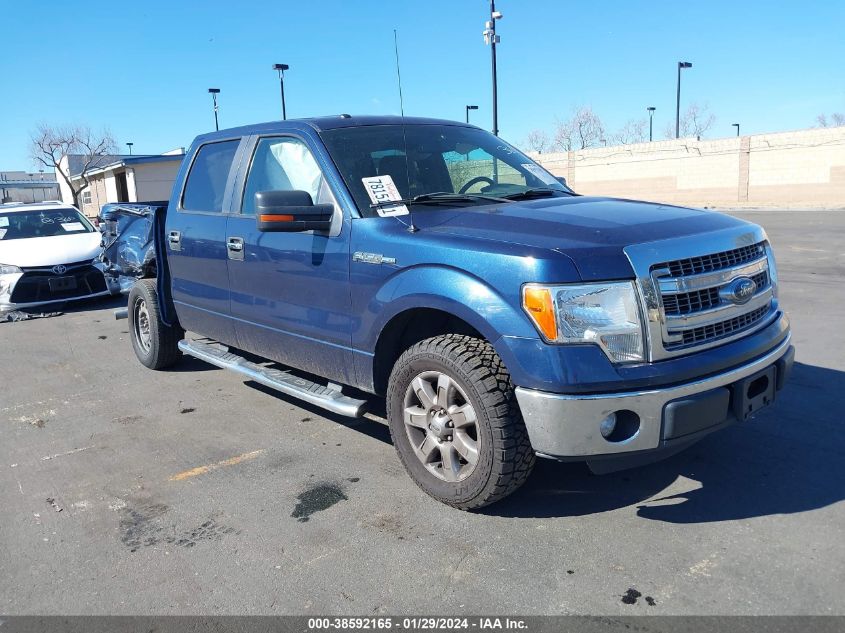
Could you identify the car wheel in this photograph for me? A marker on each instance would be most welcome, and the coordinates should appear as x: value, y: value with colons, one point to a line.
x: 455, y: 422
x: 156, y: 345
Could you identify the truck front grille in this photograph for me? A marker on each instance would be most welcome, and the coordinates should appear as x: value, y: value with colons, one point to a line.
x: 697, y: 306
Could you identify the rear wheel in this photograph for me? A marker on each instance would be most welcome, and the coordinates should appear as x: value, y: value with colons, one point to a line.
x: 455, y: 422
x: 156, y: 345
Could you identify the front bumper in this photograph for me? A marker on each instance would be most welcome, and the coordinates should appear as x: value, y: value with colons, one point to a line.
x: 32, y: 288
x: 658, y: 421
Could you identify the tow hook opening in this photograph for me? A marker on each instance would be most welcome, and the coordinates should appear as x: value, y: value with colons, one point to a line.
x: 758, y: 387
x: 619, y: 426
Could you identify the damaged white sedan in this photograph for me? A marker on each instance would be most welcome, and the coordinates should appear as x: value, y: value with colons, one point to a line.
x: 48, y: 254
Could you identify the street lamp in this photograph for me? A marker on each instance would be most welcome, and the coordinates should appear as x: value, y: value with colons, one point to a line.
x: 651, y: 110
x: 736, y: 125
x: 214, y: 92
x: 282, y: 68
x: 492, y: 39
x: 129, y: 145
x: 678, y: 105
x: 468, y: 108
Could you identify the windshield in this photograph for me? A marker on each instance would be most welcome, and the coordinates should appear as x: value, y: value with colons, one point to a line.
x: 19, y: 225
x: 440, y: 159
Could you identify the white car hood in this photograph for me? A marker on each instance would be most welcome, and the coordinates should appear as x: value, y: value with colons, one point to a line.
x: 49, y: 251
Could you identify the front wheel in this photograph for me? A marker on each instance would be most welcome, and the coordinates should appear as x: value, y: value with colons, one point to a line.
x: 156, y: 345
x: 455, y: 422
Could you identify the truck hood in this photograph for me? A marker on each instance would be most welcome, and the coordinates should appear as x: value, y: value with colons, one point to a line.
x: 591, y: 231
x: 49, y: 251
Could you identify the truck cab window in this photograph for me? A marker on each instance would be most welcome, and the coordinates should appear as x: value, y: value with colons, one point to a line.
x: 207, y: 178
x: 284, y: 164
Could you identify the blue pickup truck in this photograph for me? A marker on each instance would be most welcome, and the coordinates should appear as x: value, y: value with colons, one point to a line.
x: 500, y: 314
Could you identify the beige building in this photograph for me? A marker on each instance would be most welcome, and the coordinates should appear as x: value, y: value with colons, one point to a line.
x: 805, y: 168
x: 122, y: 179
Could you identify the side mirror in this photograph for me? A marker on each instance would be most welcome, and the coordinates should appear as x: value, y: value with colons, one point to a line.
x: 291, y: 211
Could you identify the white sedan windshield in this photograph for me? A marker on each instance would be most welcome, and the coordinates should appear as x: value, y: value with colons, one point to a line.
x: 20, y: 225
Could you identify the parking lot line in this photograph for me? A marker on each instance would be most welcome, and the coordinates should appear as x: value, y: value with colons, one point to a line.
x: 201, y: 470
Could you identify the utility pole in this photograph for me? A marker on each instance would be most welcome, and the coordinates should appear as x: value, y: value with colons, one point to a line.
x: 651, y: 110
x: 736, y: 125
x: 678, y: 104
x: 214, y: 92
x: 282, y: 68
x: 492, y: 39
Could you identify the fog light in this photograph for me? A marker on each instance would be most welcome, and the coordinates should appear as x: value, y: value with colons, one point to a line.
x: 608, y: 425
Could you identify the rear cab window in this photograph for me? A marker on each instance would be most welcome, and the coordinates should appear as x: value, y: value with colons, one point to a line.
x: 206, y: 182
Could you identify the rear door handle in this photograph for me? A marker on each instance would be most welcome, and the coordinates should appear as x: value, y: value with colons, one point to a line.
x: 174, y: 238
x: 235, y: 248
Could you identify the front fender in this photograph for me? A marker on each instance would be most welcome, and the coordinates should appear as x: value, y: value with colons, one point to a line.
x: 450, y: 290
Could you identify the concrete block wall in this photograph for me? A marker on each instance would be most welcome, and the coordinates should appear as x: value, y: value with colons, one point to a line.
x: 805, y: 168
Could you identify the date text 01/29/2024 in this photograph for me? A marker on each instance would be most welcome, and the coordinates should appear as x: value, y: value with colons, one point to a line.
x: 416, y: 623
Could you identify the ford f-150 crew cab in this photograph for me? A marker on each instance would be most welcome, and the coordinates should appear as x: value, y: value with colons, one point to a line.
x: 501, y: 315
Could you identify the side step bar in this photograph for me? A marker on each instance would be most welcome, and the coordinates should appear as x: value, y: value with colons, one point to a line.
x: 328, y: 397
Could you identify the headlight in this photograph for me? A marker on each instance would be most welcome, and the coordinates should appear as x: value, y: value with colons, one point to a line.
x: 607, y: 315
x: 7, y: 269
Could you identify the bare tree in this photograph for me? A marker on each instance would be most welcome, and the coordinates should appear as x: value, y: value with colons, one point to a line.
x: 51, y: 143
x: 696, y: 120
x: 562, y: 140
x: 584, y: 129
x: 634, y: 131
x: 836, y: 119
x: 538, y: 141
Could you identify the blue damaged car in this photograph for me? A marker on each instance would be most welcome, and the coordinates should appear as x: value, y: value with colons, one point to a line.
x: 501, y: 315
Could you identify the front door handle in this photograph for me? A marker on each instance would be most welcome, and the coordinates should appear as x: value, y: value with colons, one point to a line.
x: 235, y: 248
x: 174, y: 238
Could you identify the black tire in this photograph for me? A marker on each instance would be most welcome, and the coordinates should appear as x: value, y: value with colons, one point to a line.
x: 156, y: 345
x: 504, y: 454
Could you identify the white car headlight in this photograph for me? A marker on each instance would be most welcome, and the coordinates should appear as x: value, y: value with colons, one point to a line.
x: 606, y: 314
x: 8, y: 269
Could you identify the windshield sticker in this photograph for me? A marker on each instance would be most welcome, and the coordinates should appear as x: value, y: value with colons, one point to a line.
x: 4, y: 221
x: 539, y: 172
x: 73, y: 226
x: 382, y: 189
x: 2, y: 233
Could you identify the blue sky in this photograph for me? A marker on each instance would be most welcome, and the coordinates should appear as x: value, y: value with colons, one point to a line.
x: 142, y: 69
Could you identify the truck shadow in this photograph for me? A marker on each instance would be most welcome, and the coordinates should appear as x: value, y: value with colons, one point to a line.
x: 788, y: 459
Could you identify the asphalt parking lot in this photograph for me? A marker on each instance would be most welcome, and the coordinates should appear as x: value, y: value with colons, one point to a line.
x: 127, y: 491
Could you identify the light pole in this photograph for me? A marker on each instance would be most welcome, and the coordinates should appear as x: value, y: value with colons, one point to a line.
x: 736, y: 125
x: 282, y: 68
x: 651, y: 110
x: 468, y: 108
x: 214, y: 92
x: 129, y: 145
x: 492, y: 39
x: 678, y: 105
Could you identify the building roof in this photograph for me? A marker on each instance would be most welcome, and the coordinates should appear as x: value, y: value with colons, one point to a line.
x: 123, y: 160
x: 76, y: 162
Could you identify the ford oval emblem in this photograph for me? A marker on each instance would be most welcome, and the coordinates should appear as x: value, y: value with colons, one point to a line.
x: 61, y: 269
x: 740, y: 290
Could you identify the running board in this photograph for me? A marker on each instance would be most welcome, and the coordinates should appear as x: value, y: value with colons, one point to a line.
x: 328, y: 397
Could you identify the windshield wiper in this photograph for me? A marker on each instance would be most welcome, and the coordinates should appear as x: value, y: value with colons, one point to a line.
x: 438, y: 197
x: 538, y: 192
